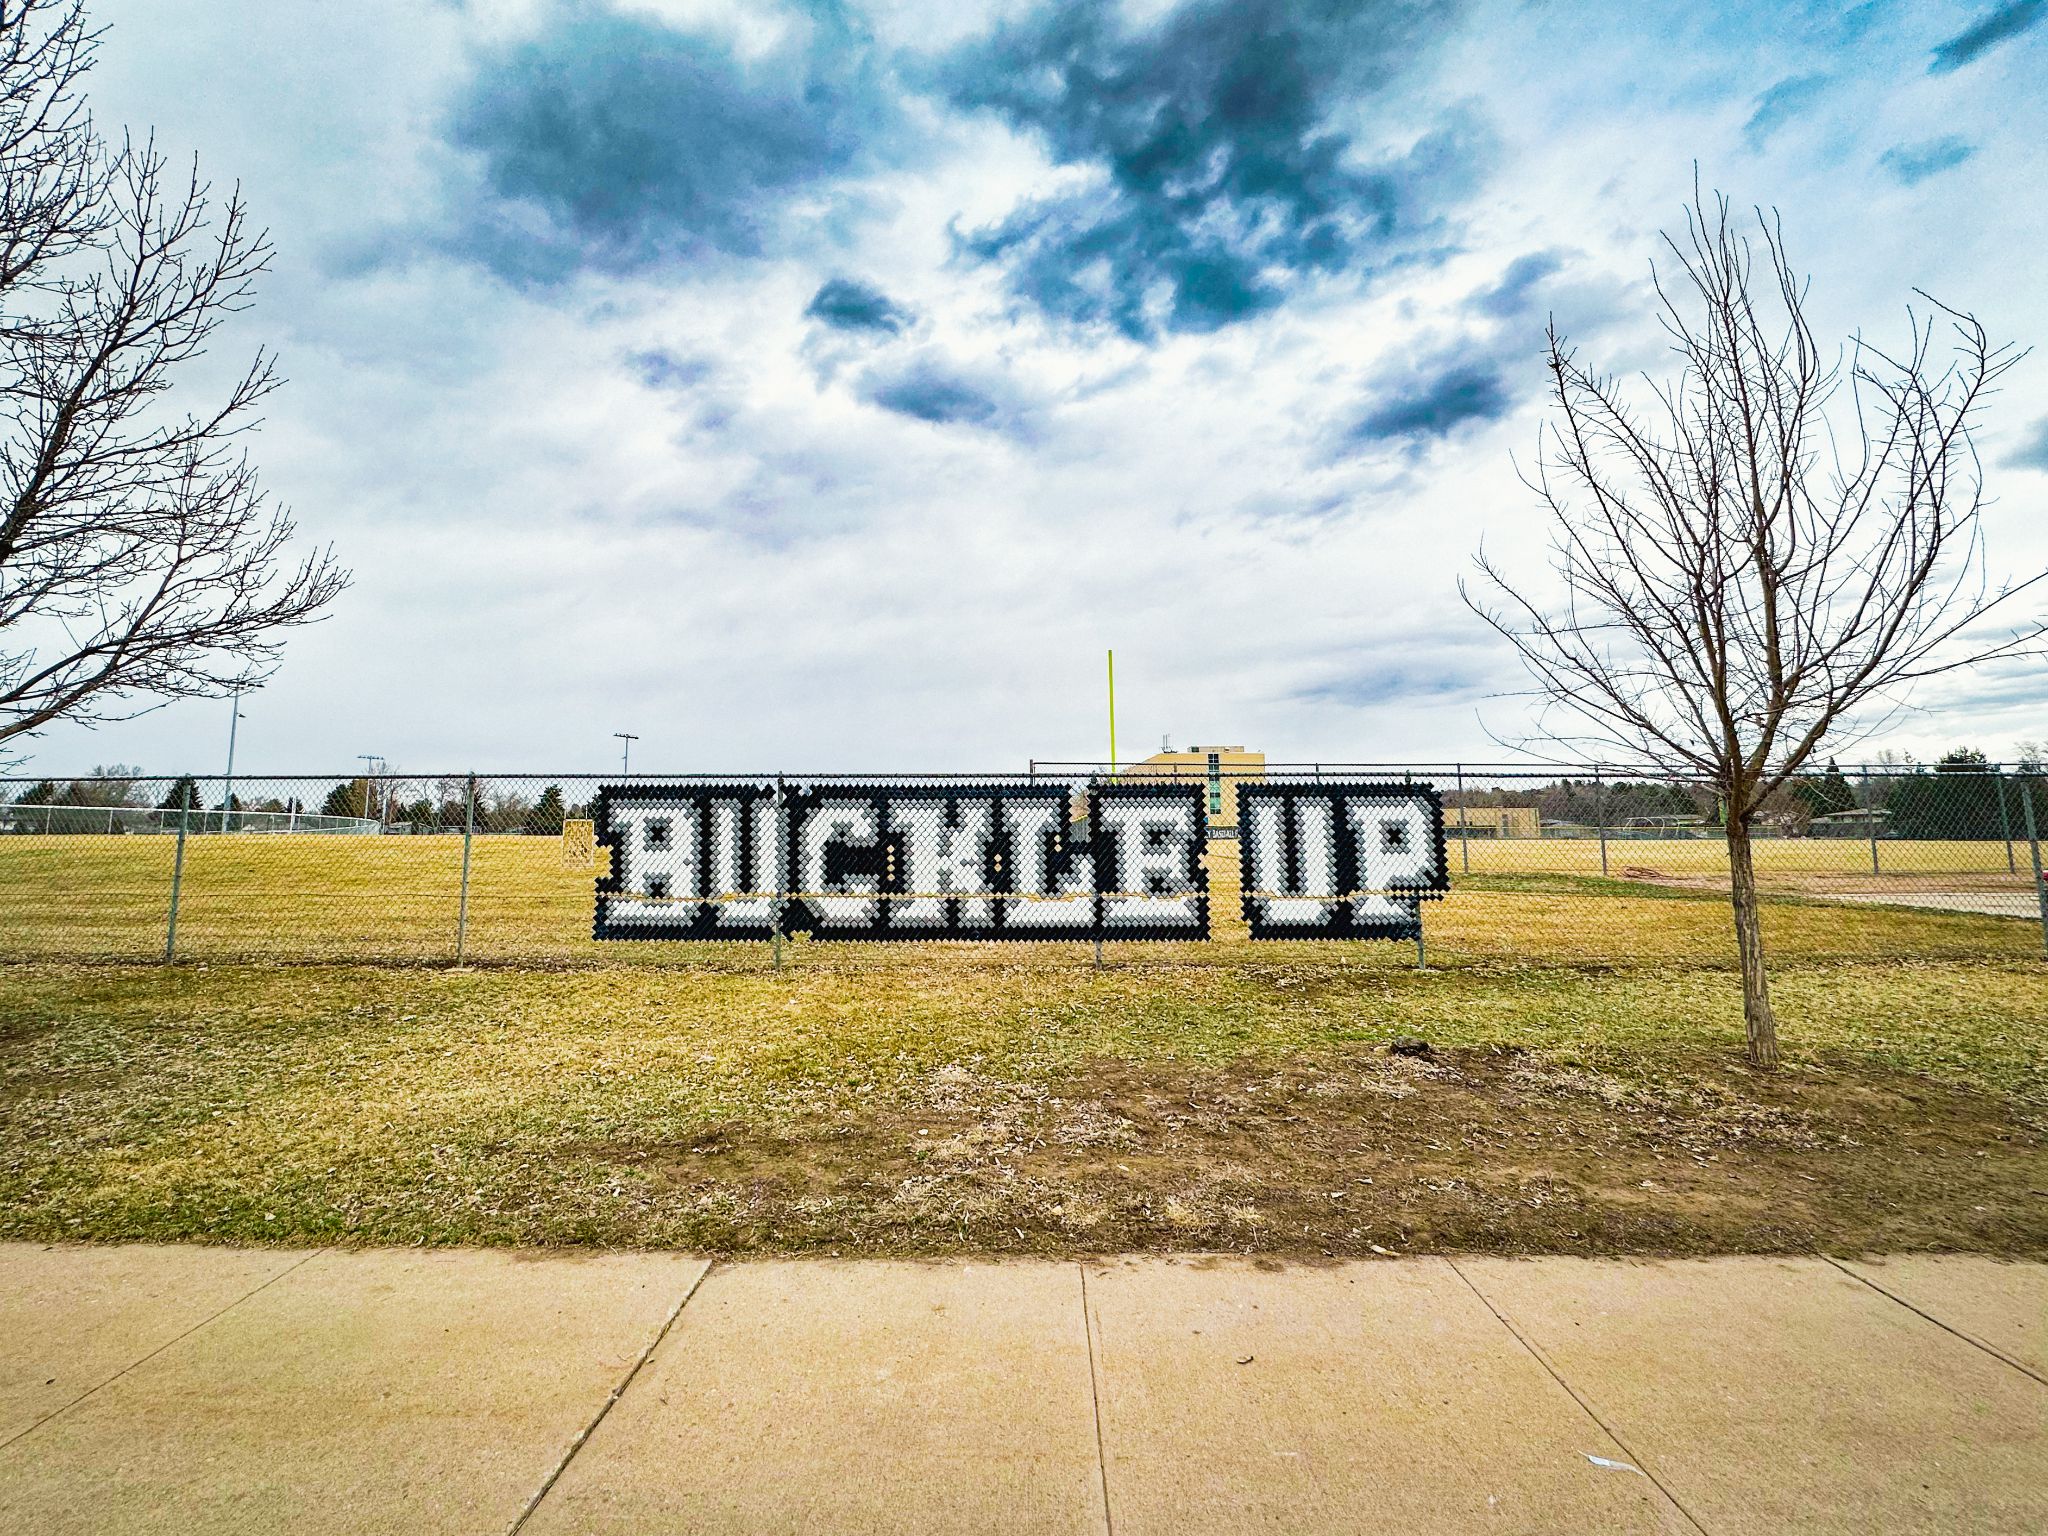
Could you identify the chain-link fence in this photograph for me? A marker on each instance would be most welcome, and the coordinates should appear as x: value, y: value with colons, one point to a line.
x: 512, y: 867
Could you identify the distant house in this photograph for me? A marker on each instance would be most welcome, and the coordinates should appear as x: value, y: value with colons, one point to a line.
x: 1864, y: 821
x: 1218, y: 769
x: 1491, y: 821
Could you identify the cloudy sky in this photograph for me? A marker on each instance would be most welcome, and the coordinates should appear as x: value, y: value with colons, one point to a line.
x: 827, y: 386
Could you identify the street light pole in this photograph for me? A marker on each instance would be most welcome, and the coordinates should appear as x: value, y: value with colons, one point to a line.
x: 626, y: 757
x: 367, y: 759
x: 228, y: 800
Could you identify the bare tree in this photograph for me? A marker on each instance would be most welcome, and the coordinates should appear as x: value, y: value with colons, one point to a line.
x: 1762, y: 555
x: 140, y: 560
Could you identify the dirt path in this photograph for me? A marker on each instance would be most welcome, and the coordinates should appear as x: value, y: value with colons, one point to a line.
x: 1488, y: 1150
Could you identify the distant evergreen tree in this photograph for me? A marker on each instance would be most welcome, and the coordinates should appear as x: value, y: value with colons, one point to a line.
x: 346, y: 799
x: 1827, y: 794
x: 545, y: 819
x: 107, y: 784
x: 1959, y: 800
x: 183, y: 793
x: 1836, y: 791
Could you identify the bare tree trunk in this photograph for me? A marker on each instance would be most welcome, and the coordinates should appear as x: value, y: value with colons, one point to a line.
x: 1758, y: 1021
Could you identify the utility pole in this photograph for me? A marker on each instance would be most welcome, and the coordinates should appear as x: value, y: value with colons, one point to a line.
x: 626, y: 757
x: 228, y: 800
x: 368, y: 783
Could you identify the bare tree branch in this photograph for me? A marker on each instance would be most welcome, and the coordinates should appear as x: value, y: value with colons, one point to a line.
x: 1736, y: 589
x: 140, y: 559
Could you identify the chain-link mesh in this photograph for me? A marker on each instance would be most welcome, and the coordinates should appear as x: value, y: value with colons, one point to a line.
x: 534, y: 868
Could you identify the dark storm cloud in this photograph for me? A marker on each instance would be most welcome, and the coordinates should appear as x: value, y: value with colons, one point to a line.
x: 928, y: 389
x: 659, y: 369
x: 2003, y: 24
x: 1782, y: 103
x: 1431, y: 393
x: 1911, y: 164
x: 1427, y: 679
x: 1442, y: 396
x: 615, y: 142
x: 1221, y: 136
x: 1510, y: 298
x: 847, y: 305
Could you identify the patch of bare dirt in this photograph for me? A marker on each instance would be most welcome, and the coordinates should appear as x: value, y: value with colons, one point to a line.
x: 1494, y: 1151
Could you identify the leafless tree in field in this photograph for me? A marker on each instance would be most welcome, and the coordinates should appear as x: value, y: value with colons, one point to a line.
x: 140, y: 560
x: 1762, y: 554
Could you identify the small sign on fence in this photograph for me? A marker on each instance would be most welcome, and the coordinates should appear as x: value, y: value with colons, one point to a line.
x: 579, y: 845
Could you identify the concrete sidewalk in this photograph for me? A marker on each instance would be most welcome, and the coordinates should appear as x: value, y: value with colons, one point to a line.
x: 199, y: 1390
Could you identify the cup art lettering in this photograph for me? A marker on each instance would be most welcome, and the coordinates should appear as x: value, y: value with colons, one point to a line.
x: 1009, y: 859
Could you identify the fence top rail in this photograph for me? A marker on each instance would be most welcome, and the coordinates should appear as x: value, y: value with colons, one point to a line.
x: 1040, y: 768
x: 1447, y: 768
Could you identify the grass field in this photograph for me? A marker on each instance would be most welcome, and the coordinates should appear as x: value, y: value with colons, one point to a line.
x: 1582, y: 1092
x: 268, y: 896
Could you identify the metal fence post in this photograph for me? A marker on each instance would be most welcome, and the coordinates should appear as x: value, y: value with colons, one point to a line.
x: 781, y: 867
x: 2005, y: 823
x: 1870, y: 809
x: 177, y: 876
x: 1600, y: 811
x: 1464, y: 823
x: 1095, y: 905
x: 468, y: 836
x: 2034, y: 849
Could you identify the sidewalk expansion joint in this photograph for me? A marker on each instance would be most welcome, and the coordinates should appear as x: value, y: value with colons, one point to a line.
x: 207, y: 1321
x: 583, y: 1436
x: 1095, y: 1401
x: 1996, y: 1354
x: 1576, y: 1396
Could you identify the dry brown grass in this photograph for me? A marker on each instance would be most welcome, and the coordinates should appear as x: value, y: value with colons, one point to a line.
x: 394, y: 900
x: 1584, y: 1092
x: 932, y: 1098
